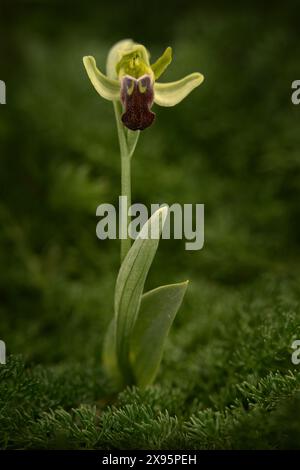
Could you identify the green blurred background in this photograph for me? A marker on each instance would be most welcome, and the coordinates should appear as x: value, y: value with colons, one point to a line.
x: 232, y: 145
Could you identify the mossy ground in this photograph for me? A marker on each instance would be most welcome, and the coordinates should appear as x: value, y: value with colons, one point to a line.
x: 226, y: 380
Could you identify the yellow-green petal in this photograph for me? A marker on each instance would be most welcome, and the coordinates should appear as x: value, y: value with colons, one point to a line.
x: 169, y: 94
x: 134, y: 63
x: 115, y: 55
x: 162, y: 63
x: 106, y: 87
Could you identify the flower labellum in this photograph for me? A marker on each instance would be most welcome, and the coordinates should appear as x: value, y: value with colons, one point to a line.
x: 137, y: 98
x: 132, y: 80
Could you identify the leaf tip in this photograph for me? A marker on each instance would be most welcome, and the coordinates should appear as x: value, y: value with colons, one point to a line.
x: 185, y: 285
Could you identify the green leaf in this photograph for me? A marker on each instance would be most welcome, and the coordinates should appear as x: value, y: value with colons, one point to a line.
x: 169, y: 94
x: 130, y: 286
x: 162, y: 63
x: 109, y: 357
x: 157, y: 312
x: 106, y: 87
x: 132, y: 138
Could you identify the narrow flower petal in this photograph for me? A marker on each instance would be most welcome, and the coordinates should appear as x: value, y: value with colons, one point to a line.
x: 106, y: 87
x: 162, y: 63
x: 169, y: 94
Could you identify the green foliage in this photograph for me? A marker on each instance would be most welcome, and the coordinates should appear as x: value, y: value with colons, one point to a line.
x: 135, y: 338
x: 226, y: 379
x: 158, y: 310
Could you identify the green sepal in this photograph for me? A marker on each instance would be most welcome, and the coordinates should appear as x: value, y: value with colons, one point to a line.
x: 169, y: 94
x: 106, y: 87
x: 134, y: 63
x: 115, y: 55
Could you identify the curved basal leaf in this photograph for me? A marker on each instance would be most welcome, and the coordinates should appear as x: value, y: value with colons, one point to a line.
x: 169, y: 94
x: 130, y: 286
x: 157, y: 312
x: 109, y: 358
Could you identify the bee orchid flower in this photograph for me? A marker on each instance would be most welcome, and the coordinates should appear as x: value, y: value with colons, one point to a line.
x: 132, y: 80
x: 135, y: 338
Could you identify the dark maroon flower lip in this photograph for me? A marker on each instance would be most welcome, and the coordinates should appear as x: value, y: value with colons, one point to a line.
x: 137, y: 98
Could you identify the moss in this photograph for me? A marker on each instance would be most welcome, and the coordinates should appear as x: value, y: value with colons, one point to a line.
x: 226, y: 380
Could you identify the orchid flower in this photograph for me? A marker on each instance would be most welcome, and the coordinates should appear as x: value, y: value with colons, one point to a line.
x: 135, y: 339
x: 131, y: 80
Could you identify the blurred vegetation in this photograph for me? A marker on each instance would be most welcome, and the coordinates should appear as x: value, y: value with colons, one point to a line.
x: 226, y: 379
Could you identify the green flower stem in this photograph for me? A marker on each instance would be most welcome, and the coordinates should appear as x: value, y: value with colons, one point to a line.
x: 125, y: 178
x: 125, y: 191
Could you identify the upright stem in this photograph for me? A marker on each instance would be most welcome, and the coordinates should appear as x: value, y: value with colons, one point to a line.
x: 125, y: 191
x: 125, y: 179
